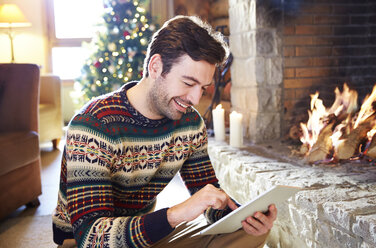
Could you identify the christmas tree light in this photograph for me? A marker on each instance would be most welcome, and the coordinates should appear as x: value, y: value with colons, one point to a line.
x: 118, y: 50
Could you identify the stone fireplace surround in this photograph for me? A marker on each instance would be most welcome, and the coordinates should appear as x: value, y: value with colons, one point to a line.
x: 283, y: 51
x: 336, y: 208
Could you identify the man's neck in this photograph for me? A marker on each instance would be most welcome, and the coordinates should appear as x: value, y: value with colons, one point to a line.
x: 138, y: 98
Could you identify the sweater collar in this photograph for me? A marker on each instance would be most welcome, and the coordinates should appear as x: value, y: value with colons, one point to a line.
x: 140, y: 118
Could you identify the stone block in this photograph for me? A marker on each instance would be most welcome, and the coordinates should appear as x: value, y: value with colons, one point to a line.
x: 243, y: 45
x: 365, y: 226
x: 304, y: 223
x: 243, y: 72
x: 343, y: 213
x: 331, y: 236
x: 269, y: 14
x: 256, y: 100
x: 335, y: 209
x: 260, y: 70
x: 274, y: 72
x: 245, y: 11
x: 265, y: 43
x: 264, y: 126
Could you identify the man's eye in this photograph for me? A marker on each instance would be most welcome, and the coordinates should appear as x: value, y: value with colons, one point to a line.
x: 188, y: 84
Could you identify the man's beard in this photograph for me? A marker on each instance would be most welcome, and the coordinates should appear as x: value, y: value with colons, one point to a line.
x: 160, y: 102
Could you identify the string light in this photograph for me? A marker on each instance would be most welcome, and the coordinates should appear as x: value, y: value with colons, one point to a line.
x: 115, y: 54
x: 100, y: 60
x: 121, y: 41
x: 105, y: 79
x: 104, y: 70
x: 125, y: 20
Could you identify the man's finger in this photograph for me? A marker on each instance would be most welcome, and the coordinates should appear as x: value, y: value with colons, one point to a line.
x: 272, y: 212
x: 231, y: 204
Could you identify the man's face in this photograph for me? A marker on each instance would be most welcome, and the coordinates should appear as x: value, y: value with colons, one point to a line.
x: 181, y: 88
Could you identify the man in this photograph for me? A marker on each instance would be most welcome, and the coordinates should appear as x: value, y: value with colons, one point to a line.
x: 123, y: 148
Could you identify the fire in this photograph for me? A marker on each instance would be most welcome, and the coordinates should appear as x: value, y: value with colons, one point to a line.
x: 338, y: 131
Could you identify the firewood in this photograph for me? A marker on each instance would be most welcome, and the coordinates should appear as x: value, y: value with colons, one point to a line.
x: 323, y: 145
x: 371, y: 152
x: 351, y: 143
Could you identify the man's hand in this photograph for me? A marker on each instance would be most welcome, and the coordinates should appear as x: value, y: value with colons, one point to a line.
x: 260, y: 223
x: 208, y: 196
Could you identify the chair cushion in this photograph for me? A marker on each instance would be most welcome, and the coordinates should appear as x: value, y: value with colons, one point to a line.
x: 47, y: 111
x: 17, y: 149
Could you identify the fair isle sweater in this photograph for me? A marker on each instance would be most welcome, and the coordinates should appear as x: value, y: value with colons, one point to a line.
x: 114, y: 164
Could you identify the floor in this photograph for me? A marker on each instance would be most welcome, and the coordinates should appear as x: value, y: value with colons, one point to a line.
x: 51, y: 159
x: 31, y: 227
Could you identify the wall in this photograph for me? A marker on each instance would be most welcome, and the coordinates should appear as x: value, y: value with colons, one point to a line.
x: 30, y: 44
x: 325, y: 44
x: 256, y: 71
x: 336, y: 207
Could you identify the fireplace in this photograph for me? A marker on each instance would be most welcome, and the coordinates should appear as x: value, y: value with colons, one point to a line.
x: 284, y: 51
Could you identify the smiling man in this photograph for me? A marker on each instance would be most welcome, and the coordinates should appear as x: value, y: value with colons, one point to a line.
x: 123, y: 148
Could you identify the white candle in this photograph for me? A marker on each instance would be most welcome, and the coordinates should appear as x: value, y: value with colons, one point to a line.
x: 236, y: 129
x: 219, y: 123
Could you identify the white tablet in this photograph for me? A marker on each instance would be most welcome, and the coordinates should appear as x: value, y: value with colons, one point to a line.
x: 232, y: 221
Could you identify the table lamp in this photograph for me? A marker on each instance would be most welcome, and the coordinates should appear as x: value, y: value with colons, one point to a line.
x: 12, y: 17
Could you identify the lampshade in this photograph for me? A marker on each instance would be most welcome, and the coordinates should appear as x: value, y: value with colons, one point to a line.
x: 11, y: 16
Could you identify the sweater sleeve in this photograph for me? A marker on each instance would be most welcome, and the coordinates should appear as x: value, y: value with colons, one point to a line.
x: 198, y: 171
x: 90, y: 154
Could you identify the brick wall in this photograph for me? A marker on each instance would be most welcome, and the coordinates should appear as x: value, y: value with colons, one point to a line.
x: 325, y: 44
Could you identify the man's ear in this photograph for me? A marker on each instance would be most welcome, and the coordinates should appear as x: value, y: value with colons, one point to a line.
x: 155, y: 66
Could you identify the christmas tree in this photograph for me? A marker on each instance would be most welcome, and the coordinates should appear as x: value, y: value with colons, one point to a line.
x: 119, y: 48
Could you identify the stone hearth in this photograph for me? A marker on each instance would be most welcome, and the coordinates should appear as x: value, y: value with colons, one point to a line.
x: 337, y: 207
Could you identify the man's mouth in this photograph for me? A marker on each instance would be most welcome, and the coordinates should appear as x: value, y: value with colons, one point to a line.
x: 182, y: 105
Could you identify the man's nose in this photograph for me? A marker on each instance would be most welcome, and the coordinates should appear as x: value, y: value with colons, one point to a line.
x: 195, y: 95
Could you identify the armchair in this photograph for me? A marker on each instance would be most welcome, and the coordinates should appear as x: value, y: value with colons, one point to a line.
x: 50, y: 110
x: 20, y: 180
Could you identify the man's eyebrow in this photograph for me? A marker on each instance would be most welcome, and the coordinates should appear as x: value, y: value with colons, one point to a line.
x: 195, y: 80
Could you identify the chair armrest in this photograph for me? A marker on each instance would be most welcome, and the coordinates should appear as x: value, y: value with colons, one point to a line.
x: 50, y: 90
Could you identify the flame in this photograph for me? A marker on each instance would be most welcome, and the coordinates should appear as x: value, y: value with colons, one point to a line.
x: 367, y: 108
x: 345, y: 103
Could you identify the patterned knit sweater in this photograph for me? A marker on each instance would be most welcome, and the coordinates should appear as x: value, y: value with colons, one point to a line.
x: 114, y: 164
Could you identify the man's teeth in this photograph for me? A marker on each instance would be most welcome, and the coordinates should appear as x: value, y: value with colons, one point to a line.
x: 182, y: 105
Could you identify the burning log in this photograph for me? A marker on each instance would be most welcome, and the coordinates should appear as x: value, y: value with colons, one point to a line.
x: 372, y: 148
x: 351, y: 143
x: 323, y: 146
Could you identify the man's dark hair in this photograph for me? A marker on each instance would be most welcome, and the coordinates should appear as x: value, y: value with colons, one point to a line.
x: 186, y: 35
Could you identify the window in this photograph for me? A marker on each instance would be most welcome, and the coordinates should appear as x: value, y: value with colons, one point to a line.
x: 71, y: 23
